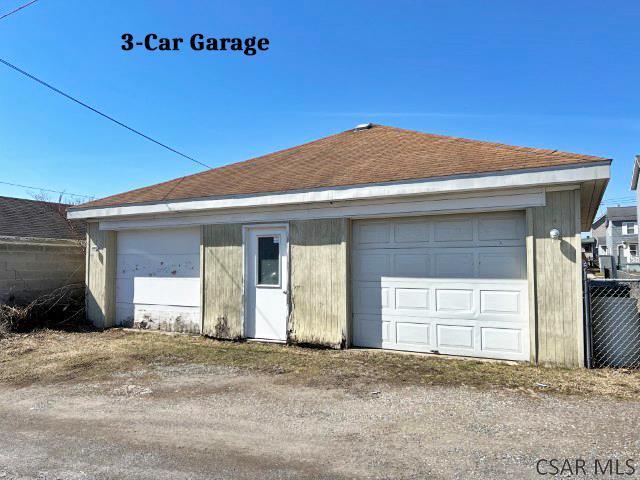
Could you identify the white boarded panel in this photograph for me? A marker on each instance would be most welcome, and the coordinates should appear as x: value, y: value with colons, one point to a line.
x: 500, y: 301
x: 412, y: 298
x: 454, y: 264
x: 501, y: 227
x: 455, y: 336
x: 501, y: 339
x: 507, y: 264
x: 415, y: 333
x: 159, y: 241
x: 372, y: 298
x: 455, y: 230
x: 371, y: 266
x: 407, y: 232
x: 167, y: 318
x: 131, y: 265
x: 410, y: 265
x: 378, y: 232
x: 160, y: 269
x: 167, y: 291
x: 454, y: 300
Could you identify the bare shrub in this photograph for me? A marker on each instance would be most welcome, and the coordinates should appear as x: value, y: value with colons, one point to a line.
x: 60, y: 308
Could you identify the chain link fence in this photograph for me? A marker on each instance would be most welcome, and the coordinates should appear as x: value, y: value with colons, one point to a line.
x: 613, y: 323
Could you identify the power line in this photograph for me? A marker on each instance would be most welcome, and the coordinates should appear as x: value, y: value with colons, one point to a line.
x: 46, y: 190
x: 18, y: 9
x: 51, y: 87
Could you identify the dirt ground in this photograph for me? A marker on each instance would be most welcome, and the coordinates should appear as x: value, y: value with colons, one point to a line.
x: 120, y: 405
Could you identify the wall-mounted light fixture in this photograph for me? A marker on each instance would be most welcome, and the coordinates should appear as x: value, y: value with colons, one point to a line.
x: 554, y: 234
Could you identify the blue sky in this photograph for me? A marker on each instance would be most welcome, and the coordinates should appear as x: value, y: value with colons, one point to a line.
x: 537, y: 73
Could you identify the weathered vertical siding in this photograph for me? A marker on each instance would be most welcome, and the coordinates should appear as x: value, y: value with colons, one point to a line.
x: 319, y: 282
x: 222, y: 281
x: 557, y: 288
x: 101, y: 276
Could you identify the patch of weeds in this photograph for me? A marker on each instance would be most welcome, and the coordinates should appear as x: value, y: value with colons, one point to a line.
x: 50, y: 357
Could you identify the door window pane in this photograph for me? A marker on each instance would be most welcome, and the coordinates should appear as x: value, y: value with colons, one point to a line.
x: 268, y: 261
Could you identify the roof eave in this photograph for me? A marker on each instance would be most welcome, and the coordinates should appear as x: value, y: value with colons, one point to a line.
x: 568, y: 174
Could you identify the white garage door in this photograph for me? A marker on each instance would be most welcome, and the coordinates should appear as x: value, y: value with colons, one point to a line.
x: 158, y: 279
x: 453, y: 284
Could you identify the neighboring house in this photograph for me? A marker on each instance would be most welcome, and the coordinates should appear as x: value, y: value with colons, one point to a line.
x: 599, y: 233
x: 40, y: 249
x: 634, y: 186
x: 374, y: 237
x: 589, y: 250
x: 617, y: 234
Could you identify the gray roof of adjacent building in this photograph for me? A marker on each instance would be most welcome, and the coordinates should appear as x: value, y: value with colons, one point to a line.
x: 20, y: 217
x: 628, y: 213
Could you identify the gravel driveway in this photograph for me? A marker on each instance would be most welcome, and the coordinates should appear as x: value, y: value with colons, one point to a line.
x: 194, y: 421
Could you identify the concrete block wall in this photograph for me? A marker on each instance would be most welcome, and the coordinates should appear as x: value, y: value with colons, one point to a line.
x: 32, y: 267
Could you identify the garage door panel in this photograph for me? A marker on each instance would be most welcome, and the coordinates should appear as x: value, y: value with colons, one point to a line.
x: 508, y: 340
x: 167, y: 291
x: 452, y: 264
x: 168, y: 317
x: 412, y: 299
x: 176, y: 265
x: 487, y: 229
x: 372, y: 330
x: 371, y: 298
x: 415, y: 232
x: 411, y: 333
x: 411, y: 265
x: 502, y: 302
x: 125, y: 313
x: 158, y: 279
x: 491, y: 262
x: 501, y: 265
x: 427, y: 289
x: 159, y: 241
x: 453, y: 230
x: 500, y: 227
x: 373, y: 266
x: 454, y: 300
x: 374, y: 232
x: 455, y: 336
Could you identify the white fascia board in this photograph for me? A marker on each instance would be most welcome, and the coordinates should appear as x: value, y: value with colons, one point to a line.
x: 511, y: 179
x: 399, y: 206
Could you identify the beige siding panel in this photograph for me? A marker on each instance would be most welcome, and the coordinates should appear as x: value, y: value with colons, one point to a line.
x: 579, y: 325
x: 222, y: 281
x: 558, y: 294
x: 531, y: 279
x: 319, y: 282
x: 101, y: 276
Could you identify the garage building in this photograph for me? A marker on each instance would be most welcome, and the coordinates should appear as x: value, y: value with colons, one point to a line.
x: 374, y: 237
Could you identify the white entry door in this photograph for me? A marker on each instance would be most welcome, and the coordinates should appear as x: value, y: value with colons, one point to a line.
x: 454, y: 284
x: 266, y: 283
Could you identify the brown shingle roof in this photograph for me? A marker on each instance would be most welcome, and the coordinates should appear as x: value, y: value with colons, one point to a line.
x: 375, y: 155
x: 37, y: 219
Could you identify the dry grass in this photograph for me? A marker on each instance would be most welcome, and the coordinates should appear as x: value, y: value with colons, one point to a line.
x: 53, y: 357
